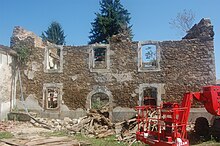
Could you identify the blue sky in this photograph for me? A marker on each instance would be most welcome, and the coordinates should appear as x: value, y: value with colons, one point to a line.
x: 150, y: 18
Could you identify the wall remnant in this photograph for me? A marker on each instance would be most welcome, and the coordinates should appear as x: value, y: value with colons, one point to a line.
x: 174, y: 68
x: 202, y: 30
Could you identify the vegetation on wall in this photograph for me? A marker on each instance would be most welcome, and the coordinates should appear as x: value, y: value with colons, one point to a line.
x: 54, y: 34
x: 23, y: 53
x: 112, y: 19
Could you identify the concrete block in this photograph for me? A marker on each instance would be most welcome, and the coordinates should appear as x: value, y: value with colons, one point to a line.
x: 121, y: 114
x: 16, y: 116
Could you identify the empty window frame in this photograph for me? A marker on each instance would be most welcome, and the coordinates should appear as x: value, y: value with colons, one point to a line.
x: 52, y: 96
x: 148, y: 56
x: 150, y: 94
x: 53, y: 59
x: 99, y: 58
x: 99, y: 100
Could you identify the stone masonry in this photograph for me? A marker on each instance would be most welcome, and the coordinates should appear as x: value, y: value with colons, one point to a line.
x: 180, y: 66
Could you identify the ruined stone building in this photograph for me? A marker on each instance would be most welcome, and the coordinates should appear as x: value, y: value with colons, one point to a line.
x: 63, y: 81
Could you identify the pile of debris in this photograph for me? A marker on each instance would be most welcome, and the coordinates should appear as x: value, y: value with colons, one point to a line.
x: 126, y: 131
x: 95, y: 124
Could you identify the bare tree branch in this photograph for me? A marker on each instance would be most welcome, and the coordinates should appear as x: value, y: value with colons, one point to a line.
x: 183, y: 21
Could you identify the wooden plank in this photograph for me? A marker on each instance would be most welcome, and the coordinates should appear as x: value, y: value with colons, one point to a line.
x: 11, y: 142
x: 45, y: 141
x: 66, y: 143
x: 4, y: 144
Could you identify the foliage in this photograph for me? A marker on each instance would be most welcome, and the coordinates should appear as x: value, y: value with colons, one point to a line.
x: 112, y: 20
x: 23, y: 53
x: 54, y: 34
x: 183, y: 21
x: 97, y: 104
x: 99, y: 100
x: 5, y: 135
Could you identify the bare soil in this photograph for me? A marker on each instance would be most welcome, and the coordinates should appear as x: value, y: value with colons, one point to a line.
x: 25, y: 134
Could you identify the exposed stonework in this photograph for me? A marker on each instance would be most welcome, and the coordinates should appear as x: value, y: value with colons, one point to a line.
x: 34, y: 67
x: 30, y: 102
x: 184, y: 65
x: 202, y: 30
x: 21, y: 34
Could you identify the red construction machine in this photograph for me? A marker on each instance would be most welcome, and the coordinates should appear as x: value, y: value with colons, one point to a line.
x: 166, y: 125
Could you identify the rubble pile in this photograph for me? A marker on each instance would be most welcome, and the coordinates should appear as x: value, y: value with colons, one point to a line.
x: 95, y: 124
x: 126, y: 130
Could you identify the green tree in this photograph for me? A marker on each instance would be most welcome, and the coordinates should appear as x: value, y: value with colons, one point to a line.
x: 54, y: 34
x: 112, y: 20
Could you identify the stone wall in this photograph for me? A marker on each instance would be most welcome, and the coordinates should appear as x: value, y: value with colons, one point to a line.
x: 7, y: 81
x: 184, y: 65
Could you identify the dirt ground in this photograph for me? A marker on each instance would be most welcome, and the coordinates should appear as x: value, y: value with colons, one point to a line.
x: 25, y: 134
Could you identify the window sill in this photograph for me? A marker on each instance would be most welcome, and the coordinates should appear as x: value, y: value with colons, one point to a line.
x: 149, y: 70
x: 99, y: 70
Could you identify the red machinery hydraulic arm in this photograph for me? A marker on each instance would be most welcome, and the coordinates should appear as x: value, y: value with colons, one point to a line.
x: 210, y: 97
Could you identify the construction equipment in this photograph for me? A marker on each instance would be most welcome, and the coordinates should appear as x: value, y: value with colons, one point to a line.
x: 167, y: 126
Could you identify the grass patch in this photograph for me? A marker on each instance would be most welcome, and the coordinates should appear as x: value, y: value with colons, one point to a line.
x: 5, y: 135
x: 211, y: 142
x: 55, y: 134
x: 108, y: 141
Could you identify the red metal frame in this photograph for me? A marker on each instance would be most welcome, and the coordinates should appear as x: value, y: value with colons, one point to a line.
x: 171, y: 118
x: 169, y: 127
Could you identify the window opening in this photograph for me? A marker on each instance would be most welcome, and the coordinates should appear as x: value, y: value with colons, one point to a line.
x: 100, y: 58
x: 52, y: 98
x: 99, y: 100
x: 150, y: 96
x: 53, y: 58
x: 149, y: 56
